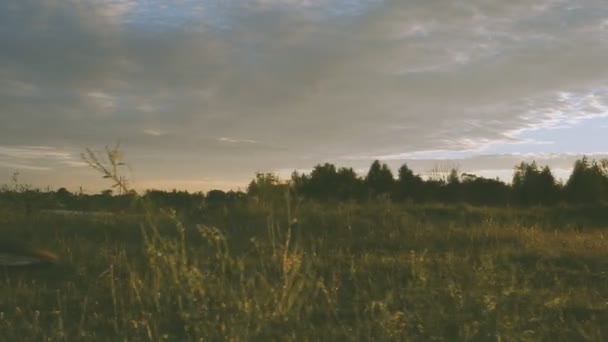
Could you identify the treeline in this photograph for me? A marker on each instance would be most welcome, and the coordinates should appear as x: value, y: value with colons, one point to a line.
x: 531, y: 185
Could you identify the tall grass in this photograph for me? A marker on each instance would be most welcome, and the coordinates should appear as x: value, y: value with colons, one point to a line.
x: 346, y: 271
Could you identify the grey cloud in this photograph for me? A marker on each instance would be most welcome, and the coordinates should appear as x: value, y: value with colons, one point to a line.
x: 36, y: 161
x: 399, y: 77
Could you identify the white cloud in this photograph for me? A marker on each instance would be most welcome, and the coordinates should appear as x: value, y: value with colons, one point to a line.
x: 103, y: 101
x: 146, y: 107
x: 154, y: 132
x: 115, y: 9
x: 236, y: 141
x: 24, y: 166
x: 39, y: 158
x: 75, y: 163
x: 33, y: 152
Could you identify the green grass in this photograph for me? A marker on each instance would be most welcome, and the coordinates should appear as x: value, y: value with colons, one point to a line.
x: 346, y: 272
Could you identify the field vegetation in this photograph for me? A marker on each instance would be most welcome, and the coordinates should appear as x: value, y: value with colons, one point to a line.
x: 293, y: 261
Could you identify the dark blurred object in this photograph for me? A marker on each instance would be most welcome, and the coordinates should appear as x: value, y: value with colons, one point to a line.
x: 18, y: 254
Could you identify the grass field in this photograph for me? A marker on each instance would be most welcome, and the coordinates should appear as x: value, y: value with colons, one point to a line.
x: 345, y: 271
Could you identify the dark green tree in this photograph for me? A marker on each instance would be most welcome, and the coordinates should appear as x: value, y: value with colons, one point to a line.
x: 267, y: 187
x: 325, y: 183
x: 64, y: 198
x: 215, y: 198
x: 483, y: 191
x: 408, y: 185
x: 349, y: 185
x: 452, y: 188
x: 588, y: 182
x: 533, y: 185
x: 379, y: 180
x: 322, y: 182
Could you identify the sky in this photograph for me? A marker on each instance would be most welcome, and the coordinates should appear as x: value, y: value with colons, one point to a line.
x: 204, y: 94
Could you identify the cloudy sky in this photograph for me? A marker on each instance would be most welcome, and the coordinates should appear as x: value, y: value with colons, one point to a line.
x: 205, y: 93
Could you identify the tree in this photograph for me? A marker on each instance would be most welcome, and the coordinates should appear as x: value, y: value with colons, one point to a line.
x: 326, y: 183
x: 534, y: 185
x: 483, y: 191
x: 349, y: 185
x: 215, y: 198
x: 408, y: 185
x: 379, y: 179
x: 323, y: 182
x: 107, y: 193
x: 588, y: 182
x: 64, y: 197
x: 267, y: 187
x: 452, y: 187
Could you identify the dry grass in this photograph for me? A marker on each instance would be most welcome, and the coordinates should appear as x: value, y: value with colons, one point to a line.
x: 356, y: 272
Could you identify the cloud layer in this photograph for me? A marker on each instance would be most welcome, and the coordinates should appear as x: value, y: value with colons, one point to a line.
x: 222, y: 89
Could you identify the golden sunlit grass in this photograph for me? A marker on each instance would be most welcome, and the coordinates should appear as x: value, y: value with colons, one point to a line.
x: 567, y: 243
x: 162, y: 280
